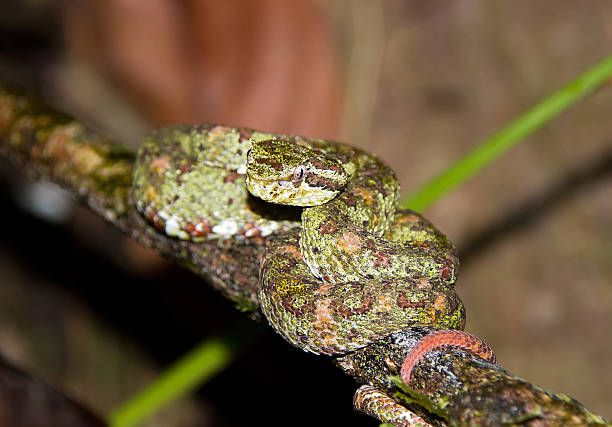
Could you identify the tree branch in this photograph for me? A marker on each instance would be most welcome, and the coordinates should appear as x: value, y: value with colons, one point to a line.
x: 455, y: 387
x: 97, y: 171
x: 459, y: 388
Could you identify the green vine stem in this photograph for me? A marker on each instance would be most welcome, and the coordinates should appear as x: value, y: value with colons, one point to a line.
x: 45, y: 144
x: 185, y: 375
x: 485, y: 153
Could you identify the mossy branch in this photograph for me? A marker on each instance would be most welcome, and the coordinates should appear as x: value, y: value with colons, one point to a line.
x: 455, y: 386
x: 97, y: 171
x: 458, y: 388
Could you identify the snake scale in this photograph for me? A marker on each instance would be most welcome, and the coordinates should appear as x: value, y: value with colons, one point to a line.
x: 351, y: 270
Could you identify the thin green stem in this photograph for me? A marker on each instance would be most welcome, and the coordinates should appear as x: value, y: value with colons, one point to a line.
x: 495, y: 146
x: 189, y: 372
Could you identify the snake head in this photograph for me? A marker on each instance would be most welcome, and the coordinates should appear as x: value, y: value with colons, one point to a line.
x: 287, y: 173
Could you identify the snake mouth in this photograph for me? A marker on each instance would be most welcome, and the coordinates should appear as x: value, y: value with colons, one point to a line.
x: 284, y: 192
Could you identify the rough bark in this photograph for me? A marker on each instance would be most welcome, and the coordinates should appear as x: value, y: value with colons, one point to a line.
x: 449, y: 387
x: 455, y: 387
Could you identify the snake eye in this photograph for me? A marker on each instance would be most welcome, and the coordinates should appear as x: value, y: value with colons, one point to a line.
x: 299, y: 173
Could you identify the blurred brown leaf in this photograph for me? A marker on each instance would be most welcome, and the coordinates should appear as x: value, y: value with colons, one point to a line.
x: 267, y: 64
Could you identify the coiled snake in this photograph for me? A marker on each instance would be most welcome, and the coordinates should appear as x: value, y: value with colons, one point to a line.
x: 351, y: 271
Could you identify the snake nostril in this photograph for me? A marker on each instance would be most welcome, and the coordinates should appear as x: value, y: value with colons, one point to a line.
x: 299, y: 173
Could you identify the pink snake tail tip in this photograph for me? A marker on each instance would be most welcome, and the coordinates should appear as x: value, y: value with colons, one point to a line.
x: 446, y: 338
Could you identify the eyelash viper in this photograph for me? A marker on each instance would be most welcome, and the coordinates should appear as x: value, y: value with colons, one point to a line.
x: 352, y: 270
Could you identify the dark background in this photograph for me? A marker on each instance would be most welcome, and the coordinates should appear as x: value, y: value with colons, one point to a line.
x: 419, y: 83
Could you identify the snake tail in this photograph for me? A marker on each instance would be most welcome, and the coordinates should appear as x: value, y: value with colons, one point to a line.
x: 375, y: 403
x: 446, y: 338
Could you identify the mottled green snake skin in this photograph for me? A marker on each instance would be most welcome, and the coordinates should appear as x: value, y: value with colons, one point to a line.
x: 351, y: 271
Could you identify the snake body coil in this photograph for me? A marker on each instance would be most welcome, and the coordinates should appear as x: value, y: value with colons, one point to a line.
x: 351, y: 271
